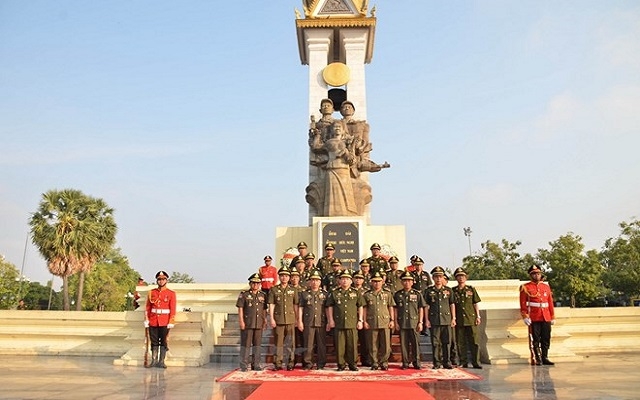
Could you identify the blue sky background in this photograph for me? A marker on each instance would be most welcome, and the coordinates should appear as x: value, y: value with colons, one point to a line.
x: 518, y: 119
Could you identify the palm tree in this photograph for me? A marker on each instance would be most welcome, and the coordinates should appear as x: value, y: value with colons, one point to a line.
x: 72, y: 231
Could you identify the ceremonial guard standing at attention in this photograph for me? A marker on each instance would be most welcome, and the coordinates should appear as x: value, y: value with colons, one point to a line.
x: 536, y: 308
x: 160, y: 316
x: 378, y: 322
x: 409, y: 313
x: 268, y: 275
x: 312, y: 321
x: 466, y: 299
x: 283, y: 311
x: 252, y: 313
x: 440, y: 317
x: 344, y: 313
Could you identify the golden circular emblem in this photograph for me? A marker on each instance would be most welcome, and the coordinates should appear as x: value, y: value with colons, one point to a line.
x: 336, y: 74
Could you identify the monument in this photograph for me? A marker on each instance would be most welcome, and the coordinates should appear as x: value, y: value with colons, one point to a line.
x: 335, y: 41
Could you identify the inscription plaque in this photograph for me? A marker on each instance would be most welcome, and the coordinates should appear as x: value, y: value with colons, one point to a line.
x: 344, y: 236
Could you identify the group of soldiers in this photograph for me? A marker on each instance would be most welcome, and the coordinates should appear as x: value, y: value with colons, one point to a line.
x: 362, y: 307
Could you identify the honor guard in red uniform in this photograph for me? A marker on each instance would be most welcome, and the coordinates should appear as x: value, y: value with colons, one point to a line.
x: 268, y: 275
x: 160, y: 315
x: 536, y: 308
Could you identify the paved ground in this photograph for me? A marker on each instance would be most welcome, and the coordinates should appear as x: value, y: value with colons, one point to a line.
x: 598, y: 377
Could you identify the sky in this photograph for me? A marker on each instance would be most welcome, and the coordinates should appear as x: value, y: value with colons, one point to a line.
x: 520, y: 120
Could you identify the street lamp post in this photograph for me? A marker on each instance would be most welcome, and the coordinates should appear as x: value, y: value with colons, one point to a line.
x: 467, y: 233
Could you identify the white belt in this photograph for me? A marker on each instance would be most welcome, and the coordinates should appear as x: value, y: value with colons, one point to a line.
x: 160, y: 311
x: 541, y: 305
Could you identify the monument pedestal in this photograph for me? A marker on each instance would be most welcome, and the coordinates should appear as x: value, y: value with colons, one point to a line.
x: 351, y: 236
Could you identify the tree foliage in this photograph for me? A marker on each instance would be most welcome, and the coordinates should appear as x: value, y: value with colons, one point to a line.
x: 575, y: 275
x: 9, y: 284
x: 498, y: 261
x: 110, y: 284
x: 621, y: 260
x: 177, y: 277
x: 72, y: 231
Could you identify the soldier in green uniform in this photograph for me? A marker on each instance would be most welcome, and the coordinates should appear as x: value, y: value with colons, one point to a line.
x: 408, y: 315
x: 324, y: 263
x: 310, y: 266
x: 467, y: 320
x: 344, y: 313
x: 312, y: 321
x: 302, y: 250
x: 331, y: 281
x: 378, y: 322
x: 283, y: 311
x: 300, y: 265
x: 422, y: 280
x: 394, y: 275
x: 440, y: 318
x: 376, y: 261
x: 365, y: 270
x: 363, y: 349
x: 252, y: 306
x: 295, y: 284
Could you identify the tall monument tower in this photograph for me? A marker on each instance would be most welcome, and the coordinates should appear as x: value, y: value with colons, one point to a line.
x: 335, y: 41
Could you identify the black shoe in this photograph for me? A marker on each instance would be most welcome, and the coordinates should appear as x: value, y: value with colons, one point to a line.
x: 353, y: 368
x: 320, y: 367
x: 417, y: 366
x: 257, y: 368
x: 341, y: 367
x: 374, y: 367
x: 384, y: 367
x: 477, y: 366
x: 404, y: 366
x: 546, y: 361
x: 243, y: 369
x: 448, y: 366
x: 307, y: 367
x: 464, y: 365
x: 436, y: 366
x: 289, y: 367
x: 277, y: 368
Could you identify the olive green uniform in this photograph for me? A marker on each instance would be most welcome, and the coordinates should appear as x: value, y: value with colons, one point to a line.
x: 378, y: 334
x: 253, y: 307
x: 439, y: 302
x: 324, y: 265
x: 466, y: 328
x: 285, y: 301
x: 408, y: 305
x: 345, y: 304
x: 378, y: 264
x: 315, y: 323
x: 394, y: 280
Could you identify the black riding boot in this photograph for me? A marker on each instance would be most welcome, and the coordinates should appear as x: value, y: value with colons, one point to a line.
x: 154, y: 357
x: 545, y: 358
x: 163, y: 353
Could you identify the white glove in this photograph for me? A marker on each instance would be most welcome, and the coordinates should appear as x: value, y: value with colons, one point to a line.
x: 527, y: 321
x: 553, y: 322
x: 146, y: 323
x: 170, y: 326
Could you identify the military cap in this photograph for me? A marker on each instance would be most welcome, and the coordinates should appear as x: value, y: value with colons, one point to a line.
x: 326, y: 101
x: 255, y: 278
x: 298, y: 260
x: 437, y: 270
x: 162, y: 274
x: 336, y: 262
x: 310, y: 256
x: 267, y: 257
x: 284, y: 271
x: 407, y: 275
x: 364, y: 261
x: 459, y: 271
x: 315, y: 274
x: 413, y: 258
x: 375, y: 246
x: 358, y: 274
x: 294, y: 271
x: 418, y: 260
x: 533, y: 269
x: 329, y: 246
x: 393, y: 259
x: 377, y: 276
x: 348, y: 102
x: 346, y: 274
x: 302, y: 245
x: 446, y: 277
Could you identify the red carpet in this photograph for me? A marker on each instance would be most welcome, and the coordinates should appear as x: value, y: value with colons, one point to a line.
x: 339, y: 391
x: 363, y: 375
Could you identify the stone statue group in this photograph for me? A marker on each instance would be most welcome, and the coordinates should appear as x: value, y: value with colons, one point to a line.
x: 339, y: 154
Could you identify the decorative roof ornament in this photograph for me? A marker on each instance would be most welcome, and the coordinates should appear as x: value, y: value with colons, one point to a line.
x: 339, y: 8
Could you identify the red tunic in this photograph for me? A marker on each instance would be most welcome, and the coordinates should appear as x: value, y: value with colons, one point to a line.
x: 161, y: 307
x: 269, y: 276
x: 536, y: 302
